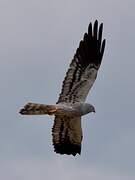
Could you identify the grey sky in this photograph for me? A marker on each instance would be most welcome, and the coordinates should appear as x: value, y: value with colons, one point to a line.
x: 38, y: 39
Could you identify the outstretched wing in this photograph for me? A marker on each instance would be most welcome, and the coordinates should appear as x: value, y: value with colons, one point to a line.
x: 67, y: 135
x: 84, y: 66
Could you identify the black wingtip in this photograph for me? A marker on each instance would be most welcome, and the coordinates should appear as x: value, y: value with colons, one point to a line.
x: 103, y: 48
x: 92, y: 47
x: 90, y: 30
x: 95, y: 29
x: 67, y: 148
x: 100, y: 33
x: 96, y: 21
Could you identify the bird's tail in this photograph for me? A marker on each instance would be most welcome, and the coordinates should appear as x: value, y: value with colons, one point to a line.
x: 38, y: 109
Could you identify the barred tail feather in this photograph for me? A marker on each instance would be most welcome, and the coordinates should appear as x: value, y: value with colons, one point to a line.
x: 38, y: 109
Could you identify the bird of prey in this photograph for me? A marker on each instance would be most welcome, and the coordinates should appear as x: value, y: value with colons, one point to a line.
x: 71, y: 106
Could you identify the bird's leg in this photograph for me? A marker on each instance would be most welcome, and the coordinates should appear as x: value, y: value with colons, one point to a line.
x: 52, y: 111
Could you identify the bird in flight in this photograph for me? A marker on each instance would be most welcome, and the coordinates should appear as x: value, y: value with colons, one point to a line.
x: 71, y: 106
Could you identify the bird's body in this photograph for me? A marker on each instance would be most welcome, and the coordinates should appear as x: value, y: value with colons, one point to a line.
x: 71, y: 106
x: 60, y: 109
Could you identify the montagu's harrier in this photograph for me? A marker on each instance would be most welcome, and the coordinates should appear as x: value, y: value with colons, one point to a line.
x: 71, y: 106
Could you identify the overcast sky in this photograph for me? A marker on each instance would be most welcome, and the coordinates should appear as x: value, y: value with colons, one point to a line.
x: 38, y: 39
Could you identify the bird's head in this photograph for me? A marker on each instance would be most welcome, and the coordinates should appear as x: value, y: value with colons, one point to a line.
x: 87, y: 108
x: 91, y: 108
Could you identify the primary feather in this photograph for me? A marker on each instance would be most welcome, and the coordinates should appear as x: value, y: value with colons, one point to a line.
x: 84, y: 67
